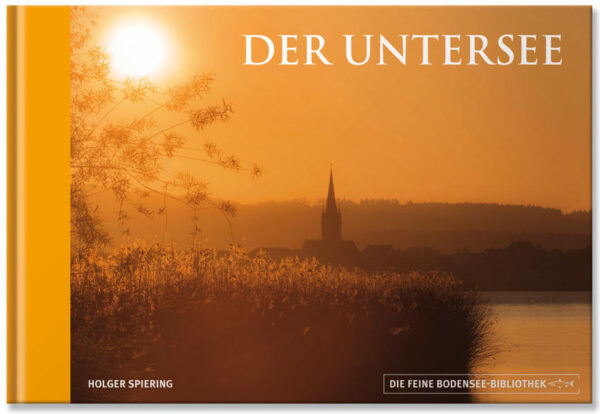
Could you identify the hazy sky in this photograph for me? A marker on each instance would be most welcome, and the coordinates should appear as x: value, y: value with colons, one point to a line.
x: 512, y: 134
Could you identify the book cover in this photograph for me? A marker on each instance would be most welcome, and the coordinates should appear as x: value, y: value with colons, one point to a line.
x: 299, y: 204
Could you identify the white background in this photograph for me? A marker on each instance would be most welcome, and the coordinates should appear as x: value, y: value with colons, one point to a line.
x: 298, y: 408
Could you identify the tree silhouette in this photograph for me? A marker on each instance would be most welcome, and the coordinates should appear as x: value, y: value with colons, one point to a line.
x: 128, y: 157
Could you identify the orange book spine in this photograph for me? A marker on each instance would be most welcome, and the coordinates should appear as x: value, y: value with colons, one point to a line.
x: 38, y: 225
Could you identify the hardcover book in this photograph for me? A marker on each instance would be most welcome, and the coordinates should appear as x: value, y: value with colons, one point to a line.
x: 319, y: 204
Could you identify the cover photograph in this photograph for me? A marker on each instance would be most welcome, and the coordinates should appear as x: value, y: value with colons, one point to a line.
x: 299, y: 204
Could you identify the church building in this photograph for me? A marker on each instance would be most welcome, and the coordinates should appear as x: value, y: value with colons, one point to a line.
x: 331, y: 247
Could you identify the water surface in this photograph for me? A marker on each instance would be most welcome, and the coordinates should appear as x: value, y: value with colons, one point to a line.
x: 540, y: 332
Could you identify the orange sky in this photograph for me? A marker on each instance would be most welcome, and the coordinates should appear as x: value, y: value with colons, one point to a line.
x: 514, y: 134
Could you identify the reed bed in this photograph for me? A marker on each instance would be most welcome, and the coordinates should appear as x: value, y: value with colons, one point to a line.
x: 228, y: 327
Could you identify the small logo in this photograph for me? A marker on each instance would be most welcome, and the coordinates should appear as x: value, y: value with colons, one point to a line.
x: 560, y: 384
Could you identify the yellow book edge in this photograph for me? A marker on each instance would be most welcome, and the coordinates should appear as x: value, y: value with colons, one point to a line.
x: 38, y: 219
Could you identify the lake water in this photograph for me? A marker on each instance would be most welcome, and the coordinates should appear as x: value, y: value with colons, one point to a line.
x: 537, y: 333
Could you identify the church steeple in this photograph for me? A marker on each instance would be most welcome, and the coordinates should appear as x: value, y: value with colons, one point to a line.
x: 331, y: 205
x: 331, y: 219
x: 331, y: 248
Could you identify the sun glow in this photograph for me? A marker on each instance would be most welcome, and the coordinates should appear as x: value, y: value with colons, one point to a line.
x: 137, y: 49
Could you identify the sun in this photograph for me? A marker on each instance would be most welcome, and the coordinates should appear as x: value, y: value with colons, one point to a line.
x: 137, y: 49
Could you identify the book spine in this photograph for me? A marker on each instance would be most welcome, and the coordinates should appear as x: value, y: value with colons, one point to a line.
x: 38, y: 246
